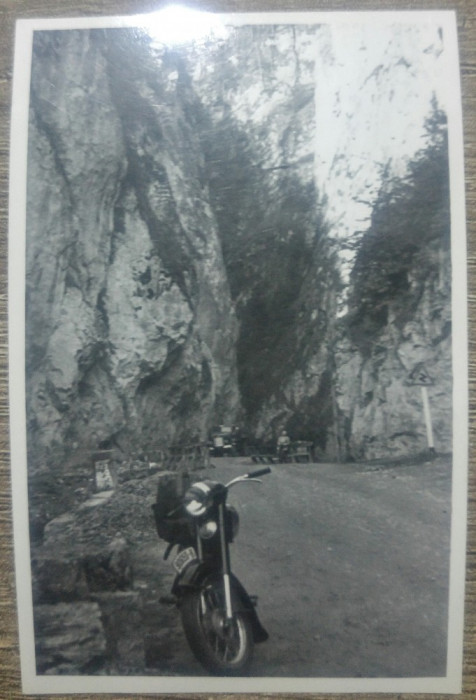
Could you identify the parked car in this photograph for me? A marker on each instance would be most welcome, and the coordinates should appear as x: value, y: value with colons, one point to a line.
x: 221, y: 441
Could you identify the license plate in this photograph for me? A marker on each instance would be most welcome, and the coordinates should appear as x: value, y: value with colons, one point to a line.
x: 183, y: 559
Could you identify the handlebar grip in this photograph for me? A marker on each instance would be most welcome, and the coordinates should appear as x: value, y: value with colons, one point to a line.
x: 259, y: 472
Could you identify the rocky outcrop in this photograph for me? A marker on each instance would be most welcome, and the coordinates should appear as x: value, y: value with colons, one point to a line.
x: 381, y: 410
x: 194, y: 219
x: 71, y: 639
x: 83, y: 594
x: 69, y: 566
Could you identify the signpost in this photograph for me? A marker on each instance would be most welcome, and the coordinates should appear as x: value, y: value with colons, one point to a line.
x: 420, y: 377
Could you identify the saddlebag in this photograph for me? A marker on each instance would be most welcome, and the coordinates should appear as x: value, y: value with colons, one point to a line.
x: 170, y: 520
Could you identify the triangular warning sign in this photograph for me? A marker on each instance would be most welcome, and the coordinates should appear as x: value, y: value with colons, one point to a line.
x: 419, y: 376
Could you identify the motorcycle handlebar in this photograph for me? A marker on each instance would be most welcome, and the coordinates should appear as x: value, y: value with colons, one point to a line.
x: 258, y: 472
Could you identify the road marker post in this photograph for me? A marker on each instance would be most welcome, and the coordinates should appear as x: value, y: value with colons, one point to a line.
x: 428, y: 422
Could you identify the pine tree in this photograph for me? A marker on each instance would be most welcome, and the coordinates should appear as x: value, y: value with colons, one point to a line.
x: 410, y: 215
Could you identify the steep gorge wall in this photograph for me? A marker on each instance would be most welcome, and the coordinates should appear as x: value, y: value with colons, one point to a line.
x: 131, y: 330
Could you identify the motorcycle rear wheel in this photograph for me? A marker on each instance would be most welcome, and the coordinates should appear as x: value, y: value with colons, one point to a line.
x: 223, y: 647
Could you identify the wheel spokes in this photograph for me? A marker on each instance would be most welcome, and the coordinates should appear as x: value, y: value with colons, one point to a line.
x: 223, y: 637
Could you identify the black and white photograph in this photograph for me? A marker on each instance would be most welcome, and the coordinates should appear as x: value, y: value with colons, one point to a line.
x: 238, y: 366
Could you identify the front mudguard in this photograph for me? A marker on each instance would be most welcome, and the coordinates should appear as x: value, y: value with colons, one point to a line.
x: 198, y: 573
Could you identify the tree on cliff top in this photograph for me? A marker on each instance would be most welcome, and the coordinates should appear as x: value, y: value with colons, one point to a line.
x: 410, y: 218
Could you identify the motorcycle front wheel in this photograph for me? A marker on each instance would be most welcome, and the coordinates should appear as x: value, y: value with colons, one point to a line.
x: 224, y: 647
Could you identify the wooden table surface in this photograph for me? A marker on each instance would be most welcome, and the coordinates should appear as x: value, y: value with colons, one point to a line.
x: 10, y: 10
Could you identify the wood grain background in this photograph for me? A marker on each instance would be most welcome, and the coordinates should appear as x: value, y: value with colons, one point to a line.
x: 10, y: 10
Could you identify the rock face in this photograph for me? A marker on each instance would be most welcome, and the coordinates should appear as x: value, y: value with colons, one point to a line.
x: 194, y: 219
x: 72, y: 640
x: 82, y: 585
x: 139, y: 332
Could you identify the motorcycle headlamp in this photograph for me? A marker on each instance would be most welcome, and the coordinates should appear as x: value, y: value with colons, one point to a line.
x: 208, y: 529
x: 198, y: 499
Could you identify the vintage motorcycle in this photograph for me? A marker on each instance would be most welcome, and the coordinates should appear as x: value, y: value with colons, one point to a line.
x: 218, y: 616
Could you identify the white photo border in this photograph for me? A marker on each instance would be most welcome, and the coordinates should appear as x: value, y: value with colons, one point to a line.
x: 41, y: 684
